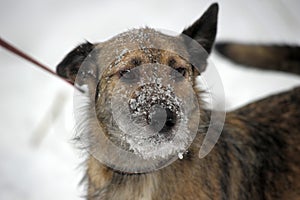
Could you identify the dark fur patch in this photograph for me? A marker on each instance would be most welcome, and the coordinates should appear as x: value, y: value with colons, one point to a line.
x: 268, y: 57
x: 69, y: 66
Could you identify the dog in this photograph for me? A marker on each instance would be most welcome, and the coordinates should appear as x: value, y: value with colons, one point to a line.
x: 256, y: 156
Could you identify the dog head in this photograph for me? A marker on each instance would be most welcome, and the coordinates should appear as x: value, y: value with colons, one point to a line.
x: 141, y: 92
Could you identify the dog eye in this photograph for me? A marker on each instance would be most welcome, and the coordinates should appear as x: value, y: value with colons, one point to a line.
x: 179, y: 74
x: 129, y: 76
x: 181, y: 70
x: 136, y: 62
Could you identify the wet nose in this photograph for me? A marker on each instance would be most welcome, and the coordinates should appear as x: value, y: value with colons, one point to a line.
x: 170, y: 121
x: 162, y: 120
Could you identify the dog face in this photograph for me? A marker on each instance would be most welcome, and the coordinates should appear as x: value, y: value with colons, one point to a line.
x: 141, y: 87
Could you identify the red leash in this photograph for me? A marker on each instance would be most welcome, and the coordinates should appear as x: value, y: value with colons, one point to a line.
x: 18, y: 52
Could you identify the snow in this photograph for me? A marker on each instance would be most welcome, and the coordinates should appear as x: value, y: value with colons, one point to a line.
x: 47, y: 30
x: 180, y: 155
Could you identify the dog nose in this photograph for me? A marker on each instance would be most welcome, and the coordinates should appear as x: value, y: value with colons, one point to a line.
x: 170, y: 121
x: 162, y: 120
x: 155, y: 108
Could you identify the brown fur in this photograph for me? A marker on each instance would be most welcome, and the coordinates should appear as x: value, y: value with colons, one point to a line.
x: 256, y: 157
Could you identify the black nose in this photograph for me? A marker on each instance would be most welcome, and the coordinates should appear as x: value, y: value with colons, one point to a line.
x: 170, y: 121
x: 162, y: 120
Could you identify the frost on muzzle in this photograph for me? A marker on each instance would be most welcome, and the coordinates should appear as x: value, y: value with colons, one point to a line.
x: 148, y: 118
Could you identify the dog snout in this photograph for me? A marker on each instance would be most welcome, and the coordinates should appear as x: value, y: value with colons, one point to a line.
x: 156, y: 107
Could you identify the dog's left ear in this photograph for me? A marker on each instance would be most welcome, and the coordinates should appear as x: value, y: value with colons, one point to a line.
x: 204, y: 29
x: 69, y: 66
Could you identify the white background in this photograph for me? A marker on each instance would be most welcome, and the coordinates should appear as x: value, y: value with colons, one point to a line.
x: 49, y: 167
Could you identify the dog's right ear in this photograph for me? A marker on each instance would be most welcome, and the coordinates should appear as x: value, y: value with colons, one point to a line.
x: 69, y: 66
x: 204, y: 30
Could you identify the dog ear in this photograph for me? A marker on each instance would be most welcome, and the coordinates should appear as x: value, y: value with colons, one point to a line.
x: 69, y: 66
x: 204, y: 29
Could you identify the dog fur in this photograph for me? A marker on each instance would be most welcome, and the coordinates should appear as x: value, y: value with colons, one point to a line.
x: 256, y: 157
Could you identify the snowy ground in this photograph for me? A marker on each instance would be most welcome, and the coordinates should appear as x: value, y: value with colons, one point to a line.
x: 46, y: 168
